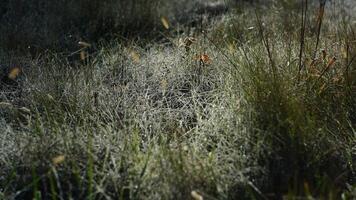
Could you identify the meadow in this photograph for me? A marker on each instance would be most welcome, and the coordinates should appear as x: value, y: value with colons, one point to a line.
x: 159, y: 100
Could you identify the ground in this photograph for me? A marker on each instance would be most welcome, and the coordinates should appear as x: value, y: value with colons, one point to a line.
x: 254, y: 102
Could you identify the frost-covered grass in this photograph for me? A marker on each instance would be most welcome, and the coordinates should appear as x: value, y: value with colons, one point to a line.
x: 249, y: 121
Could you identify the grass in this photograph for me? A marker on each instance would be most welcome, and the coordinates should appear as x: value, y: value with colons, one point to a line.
x: 270, y: 116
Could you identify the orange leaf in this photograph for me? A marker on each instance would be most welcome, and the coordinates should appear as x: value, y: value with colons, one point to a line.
x: 204, y: 58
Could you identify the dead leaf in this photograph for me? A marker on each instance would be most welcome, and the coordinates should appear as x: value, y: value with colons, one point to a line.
x: 165, y: 22
x: 58, y: 159
x: 204, y: 58
x: 196, y: 195
x: 135, y: 56
x: 14, y: 73
x: 83, y: 55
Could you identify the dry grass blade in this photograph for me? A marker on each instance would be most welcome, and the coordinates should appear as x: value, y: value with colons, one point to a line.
x: 320, y: 17
x: 331, y: 63
x: 84, y: 44
x: 328, y: 66
x: 5, y: 105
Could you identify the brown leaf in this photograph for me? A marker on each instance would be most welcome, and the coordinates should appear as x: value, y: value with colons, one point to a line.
x: 204, y: 58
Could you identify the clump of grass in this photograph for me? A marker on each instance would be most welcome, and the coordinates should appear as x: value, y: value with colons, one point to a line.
x: 306, y: 131
x: 124, y: 133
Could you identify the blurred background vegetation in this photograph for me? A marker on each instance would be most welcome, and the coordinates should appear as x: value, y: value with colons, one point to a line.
x: 45, y: 24
x: 55, y: 24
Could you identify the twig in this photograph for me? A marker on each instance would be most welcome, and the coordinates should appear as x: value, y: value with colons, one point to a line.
x: 319, y: 23
x: 302, y: 35
x: 265, y: 43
